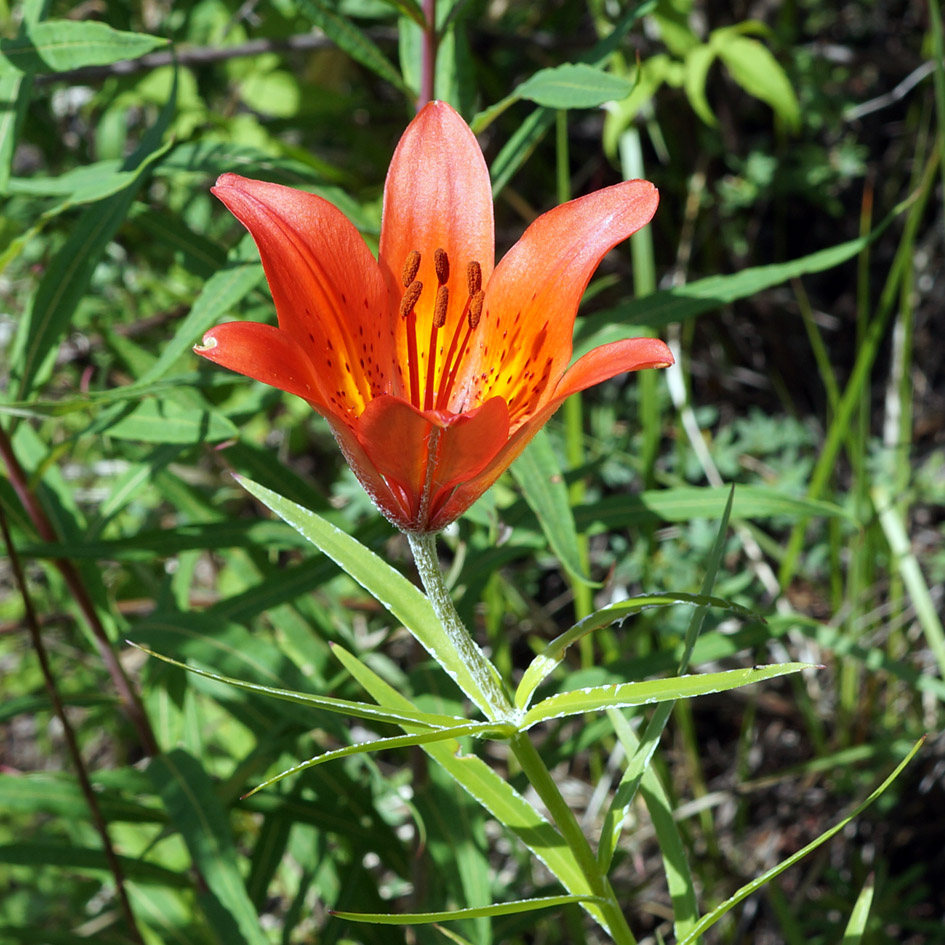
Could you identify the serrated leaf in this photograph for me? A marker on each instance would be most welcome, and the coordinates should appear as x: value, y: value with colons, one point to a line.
x: 405, y: 601
x: 542, y: 483
x: 621, y: 695
x: 59, y: 45
x: 573, y: 85
x: 500, y: 908
x: 544, y: 663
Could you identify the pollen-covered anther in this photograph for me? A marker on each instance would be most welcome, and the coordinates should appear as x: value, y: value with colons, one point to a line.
x: 410, y: 298
x: 473, y: 278
x: 440, y: 305
x: 475, y: 308
x: 441, y: 262
x: 411, y: 268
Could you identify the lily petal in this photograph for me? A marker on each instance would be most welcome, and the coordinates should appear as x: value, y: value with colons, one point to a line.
x: 607, y: 361
x: 524, y: 339
x: 424, y: 454
x: 320, y: 271
x: 264, y: 353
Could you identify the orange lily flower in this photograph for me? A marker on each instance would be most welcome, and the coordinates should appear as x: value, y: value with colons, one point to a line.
x: 433, y: 369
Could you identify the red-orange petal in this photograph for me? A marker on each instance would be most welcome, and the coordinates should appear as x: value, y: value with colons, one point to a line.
x: 533, y: 296
x: 266, y: 354
x: 607, y: 361
x: 327, y: 287
x: 424, y: 454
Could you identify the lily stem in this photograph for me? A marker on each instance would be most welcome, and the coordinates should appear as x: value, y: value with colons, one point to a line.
x: 495, y: 704
x: 492, y: 701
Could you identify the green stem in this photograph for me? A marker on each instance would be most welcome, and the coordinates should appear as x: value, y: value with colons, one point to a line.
x: 495, y: 703
x: 534, y: 768
x: 496, y: 706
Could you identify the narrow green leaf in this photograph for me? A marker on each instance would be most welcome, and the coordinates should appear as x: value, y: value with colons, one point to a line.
x: 686, y: 503
x: 544, y: 663
x: 74, y: 857
x: 856, y: 927
x: 348, y: 38
x: 195, y: 811
x: 406, y: 602
x: 620, y: 695
x: 675, y: 305
x: 70, y: 271
x: 573, y: 85
x: 59, y: 45
x: 490, y: 790
x: 500, y: 730
x: 542, y: 483
x: 360, y: 710
x: 168, y: 421
x: 707, y: 921
x: 501, y: 908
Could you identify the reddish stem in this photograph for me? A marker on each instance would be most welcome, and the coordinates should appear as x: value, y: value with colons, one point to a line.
x: 69, y: 734
x: 127, y: 695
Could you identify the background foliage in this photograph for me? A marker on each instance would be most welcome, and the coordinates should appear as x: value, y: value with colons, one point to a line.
x: 804, y: 295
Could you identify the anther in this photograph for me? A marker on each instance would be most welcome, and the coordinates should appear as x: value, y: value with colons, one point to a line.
x: 441, y: 262
x: 475, y: 308
x: 473, y: 278
x: 411, y: 267
x: 410, y: 298
x: 439, y: 307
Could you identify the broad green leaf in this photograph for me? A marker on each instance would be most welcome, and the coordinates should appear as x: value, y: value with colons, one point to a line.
x: 347, y: 37
x: 221, y: 293
x: 542, y: 483
x: 71, y: 856
x: 490, y: 790
x: 480, y: 729
x: 756, y: 70
x: 707, y: 921
x: 359, y: 710
x: 686, y: 503
x: 168, y: 421
x: 60, y: 45
x: 70, y: 271
x: 544, y: 663
x: 406, y: 602
x: 651, y: 692
x: 195, y: 811
x: 500, y: 908
x: 676, y: 305
x: 698, y: 61
x: 573, y: 85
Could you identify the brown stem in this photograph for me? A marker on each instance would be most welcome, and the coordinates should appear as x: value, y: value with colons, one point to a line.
x: 86, y: 785
x: 130, y: 701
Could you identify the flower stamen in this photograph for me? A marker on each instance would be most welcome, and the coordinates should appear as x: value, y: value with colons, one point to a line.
x: 465, y: 326
x: 411, y: 267
x: 407, y: 303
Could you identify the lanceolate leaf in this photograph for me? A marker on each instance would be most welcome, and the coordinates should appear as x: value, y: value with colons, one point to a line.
x: 59, y: 45
x: 573, y: 85
x: 396, y: 741
x: 500, y: 908
x: 652, y: 691
x: 406, y: 602
x: 539, y: 476
x: 544, y: 663
x: 360, y: 710
x: 707, y: 921
x: 195, y: 811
